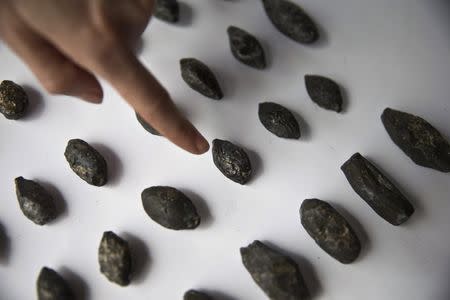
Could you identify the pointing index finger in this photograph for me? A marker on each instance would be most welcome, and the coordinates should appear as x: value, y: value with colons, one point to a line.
x: 150, y: 100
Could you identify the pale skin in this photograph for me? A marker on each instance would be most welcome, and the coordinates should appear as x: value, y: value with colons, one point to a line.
x: 68, y: 44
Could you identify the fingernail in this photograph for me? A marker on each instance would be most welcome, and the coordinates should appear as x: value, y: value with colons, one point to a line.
x: 202, y: 144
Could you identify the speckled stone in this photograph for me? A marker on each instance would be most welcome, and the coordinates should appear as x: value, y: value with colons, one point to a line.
x: 291, y: 20
x: 423, y: 143
x: 276, y: 274
x: 246, y: 48
x: 278, y: 120
x: 13, y: 100
x: 330, y: 230
x: 200, y: 78
x: 114, y: 258
x: 324, y: 92
x: 34, y: 201
x: 86, y: 162
x: 52, y: 286
x: 377, y: 190
x: 232, y: 161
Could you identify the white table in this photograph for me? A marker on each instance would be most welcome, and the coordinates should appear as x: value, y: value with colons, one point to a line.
x: 383, y: 53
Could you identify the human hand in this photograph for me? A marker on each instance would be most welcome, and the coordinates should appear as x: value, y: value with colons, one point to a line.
x: 68, y: 43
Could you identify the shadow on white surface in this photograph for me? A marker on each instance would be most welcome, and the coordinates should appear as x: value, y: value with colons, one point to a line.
x: 36, y: 104
x: 306, y: 269
x: 444, y: 294
x: 186, y: 15
x: 227, y: 81
x: 361, y: 233
x: 201, y: 206
x: 257, y: 165
x: 345, y: 99
x: 324, y: 39
x: 140, y: 257
x: 115, y: 166
x: 60, y: 203
x: 268, y: 54
x: 5, y: 246
x: 76, y: 284
x: 305, y: 129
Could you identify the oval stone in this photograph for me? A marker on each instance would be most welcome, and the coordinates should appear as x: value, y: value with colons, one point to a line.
x: 34, y: 201
x: 418, y: 139
x: 170, y: 208
x: 86, y: 162
x: 232, y: 161
x: 330, y: 230
x: 114, y: 258
x: 275, y: 273
x: 200, y: 78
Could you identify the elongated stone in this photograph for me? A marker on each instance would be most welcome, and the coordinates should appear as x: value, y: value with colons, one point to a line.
x: 13, y: 100
x: 52, y: 286
x: 86, y: 162
x: 200, y: 78
x: 232, y: 161
x: 196, y: 295
x: 330, y: 230
x: 324, y: 91
x: 34, y: 201
x: 278, y: 120
x: 114, y: 258
x: 423, y: 143
x: 291, y: 20
x: 246, y: 48
x: 167, y: 10
x: 147, y: 126
x: 377, y: 190
x: 170, y: 208
x: 276, y: 274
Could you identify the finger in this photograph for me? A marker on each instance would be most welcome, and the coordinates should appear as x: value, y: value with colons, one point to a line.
x: 55, y: 71
x: 136, y: 84
x: 147, y: 5
x: 128, y: 19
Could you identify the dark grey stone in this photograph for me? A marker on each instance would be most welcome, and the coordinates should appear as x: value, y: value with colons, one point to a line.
x: 246, y: 48
x: 13, y: 100
x: 324, y: 91
x: 200, y: 78
x: 52, y: 286
x: 232, y: 161
x: 196, y: 295
x: 377, y: 190
x: 276, y: 274
x: 34, y: 201
x: 147, y: 126
x: 291, y: 20
x: 114, y: 257
x: 170, y: 208
x: 423, y: 143
x: 86, y: 162
x: 330, y: 230
x: 278, y: 120
x: 167, y: 10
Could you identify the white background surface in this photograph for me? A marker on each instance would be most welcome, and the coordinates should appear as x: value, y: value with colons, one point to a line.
x: 383, y: 53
